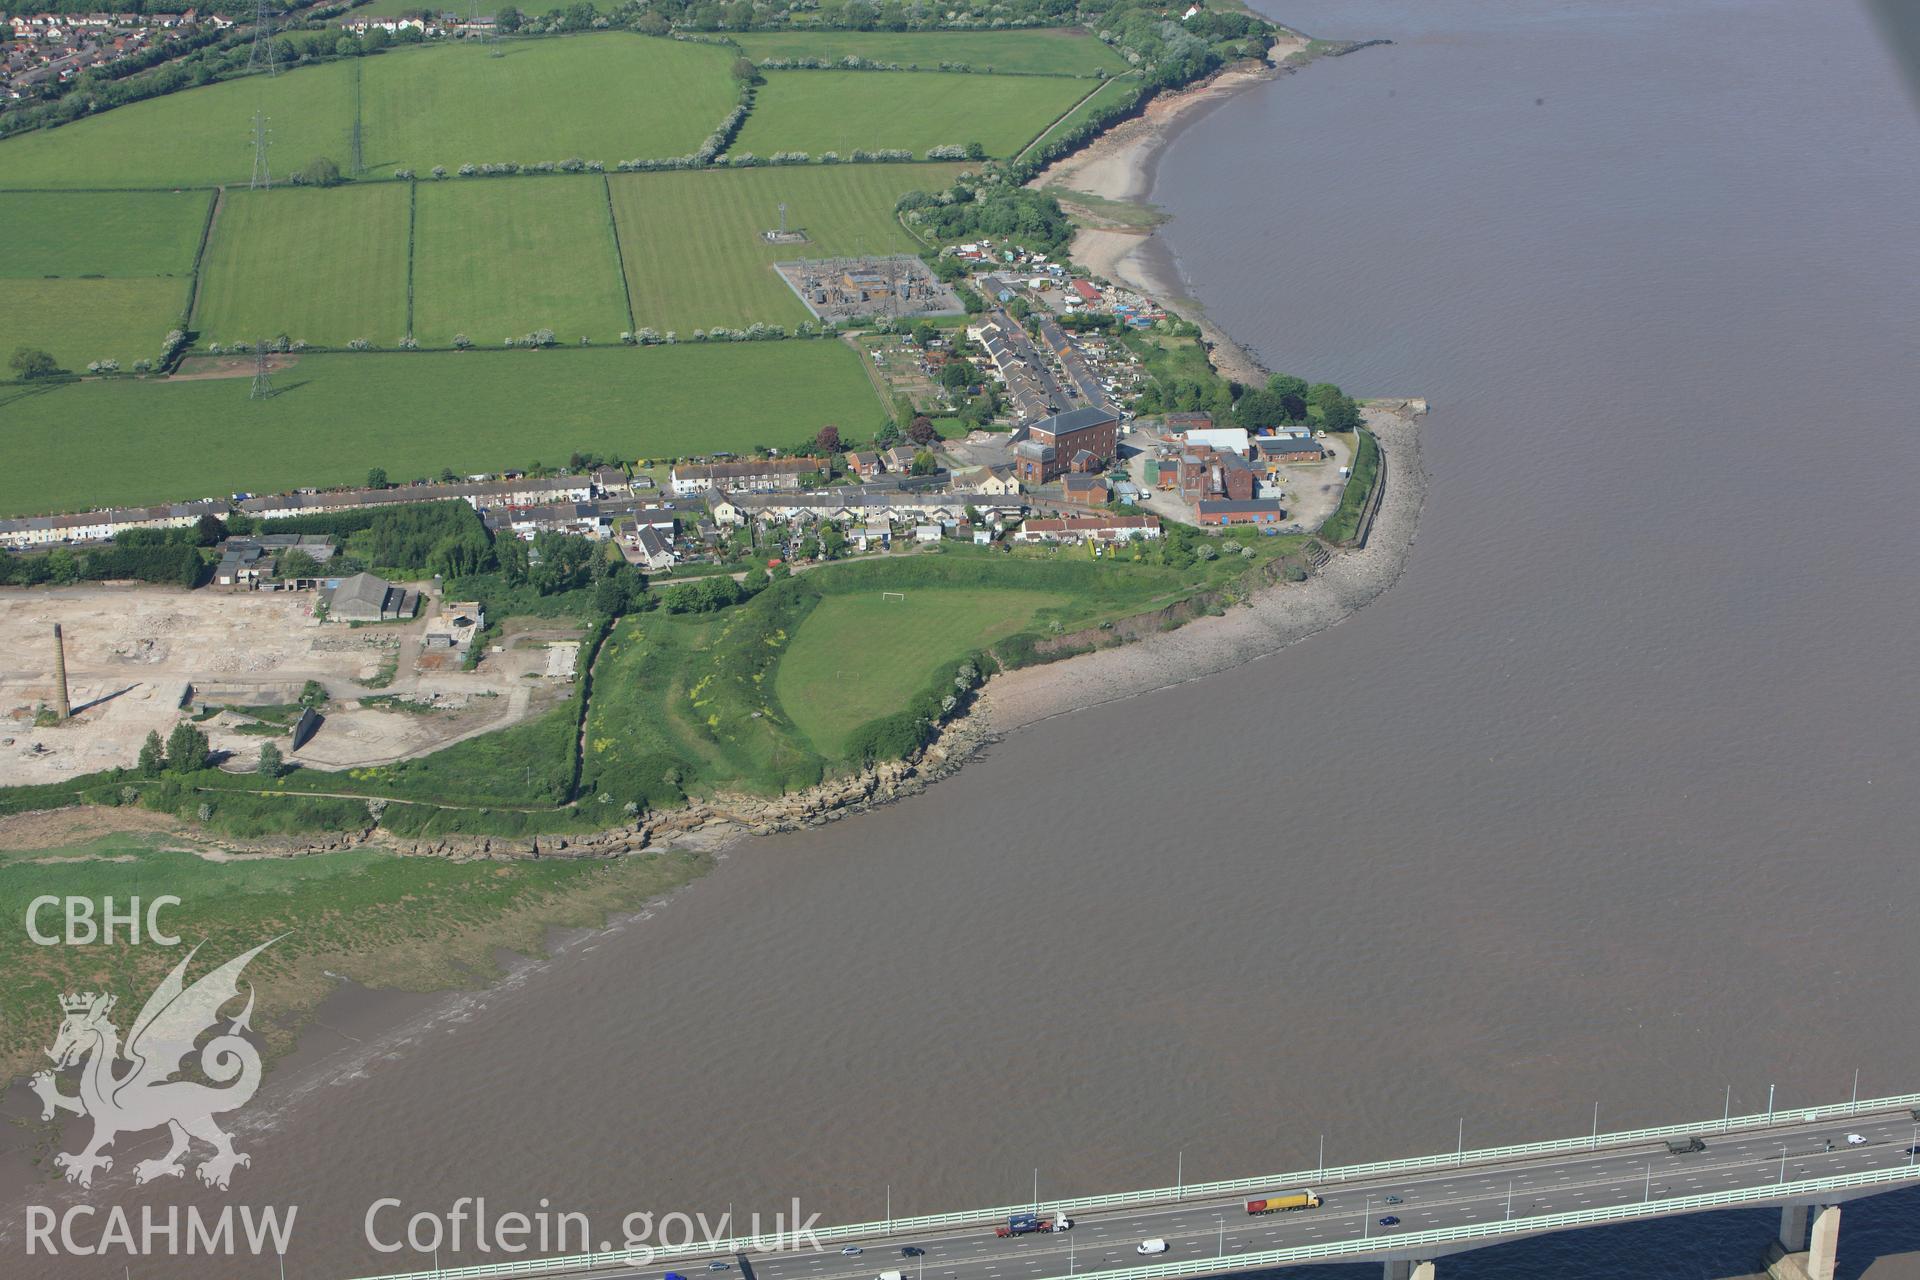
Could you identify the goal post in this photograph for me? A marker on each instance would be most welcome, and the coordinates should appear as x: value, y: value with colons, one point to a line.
x: 894, y: 596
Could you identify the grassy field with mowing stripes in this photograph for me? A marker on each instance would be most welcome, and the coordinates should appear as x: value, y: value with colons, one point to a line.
x: 495, y: 258
x: 322, y: 266
x: 692, y: 247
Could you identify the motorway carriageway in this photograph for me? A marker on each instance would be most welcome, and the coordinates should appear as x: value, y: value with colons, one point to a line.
x: 1430, y: 1200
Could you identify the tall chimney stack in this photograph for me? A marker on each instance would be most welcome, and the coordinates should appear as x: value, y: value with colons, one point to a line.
x: 60, y: 672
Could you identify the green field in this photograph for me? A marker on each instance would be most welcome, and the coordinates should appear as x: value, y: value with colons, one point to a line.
x: 125, y: 233
x: 337, y: 415
x: 692, y: 246
x: 80, y: 321
x: 374, y: 918
x: 323, y: 266
x: 1106, y: 93
x: 683, y: 705
x: 421, y: 106
x: 816, y: 111
x: 608, y: 97
x: 860, y: 656
x: 122, y: 260
x: 1055, y: 52
x: 500, y: 257
x: 194, y: 138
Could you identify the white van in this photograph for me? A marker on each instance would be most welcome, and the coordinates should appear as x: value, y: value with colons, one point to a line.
x: 888, y: 1275
x: 1151, y: 1246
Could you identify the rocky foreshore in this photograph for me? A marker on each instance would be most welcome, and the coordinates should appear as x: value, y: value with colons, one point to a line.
x: 703, y: 824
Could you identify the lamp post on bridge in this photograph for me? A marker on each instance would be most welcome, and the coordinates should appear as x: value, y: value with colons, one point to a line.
x: 1646, y: 1192
x: 1594, y: 1143
x: 1853, y: 1108
x: 1460, y: 1145
x: 1221, y: 1252
x: 1366, y: 1220
x: 1726, y: 1111
x: 1323, y: 1158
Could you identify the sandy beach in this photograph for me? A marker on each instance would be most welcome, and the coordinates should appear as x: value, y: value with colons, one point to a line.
x: 1119, y: 165
x: 1269, y: 622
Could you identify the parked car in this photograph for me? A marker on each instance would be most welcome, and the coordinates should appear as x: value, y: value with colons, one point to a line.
x: 1151, y: 1246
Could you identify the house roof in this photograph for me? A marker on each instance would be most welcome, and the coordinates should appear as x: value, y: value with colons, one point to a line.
x: 1075, y: 420
x: 1091, y: 524
x: 716, y: 471
x: 475, y: 491
x: 1226, y: 506
x: 364, y: 590
x: 116, y: 516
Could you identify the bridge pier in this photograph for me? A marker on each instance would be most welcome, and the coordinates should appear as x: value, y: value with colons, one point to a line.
x: 1422, y: 1270
x: 1824, y: 1251
x: 1793, y: 1256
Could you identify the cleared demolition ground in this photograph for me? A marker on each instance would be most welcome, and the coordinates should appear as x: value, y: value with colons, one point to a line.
x: 138, y: 659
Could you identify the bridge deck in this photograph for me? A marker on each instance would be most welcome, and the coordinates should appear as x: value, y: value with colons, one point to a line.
x: 1442, y: 1205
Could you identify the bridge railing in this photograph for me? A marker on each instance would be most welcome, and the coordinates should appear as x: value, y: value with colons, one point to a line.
x: 770, y: 1243
x: 1410, y: 1243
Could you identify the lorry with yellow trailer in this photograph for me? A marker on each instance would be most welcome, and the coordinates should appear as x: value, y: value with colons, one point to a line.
x: 1283, y: 1202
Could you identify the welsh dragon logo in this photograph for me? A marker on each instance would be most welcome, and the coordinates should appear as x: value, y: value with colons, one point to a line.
x: 143, y: 1094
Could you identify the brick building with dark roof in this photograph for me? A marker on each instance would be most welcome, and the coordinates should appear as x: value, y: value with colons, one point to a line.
x: 1081, y: 440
